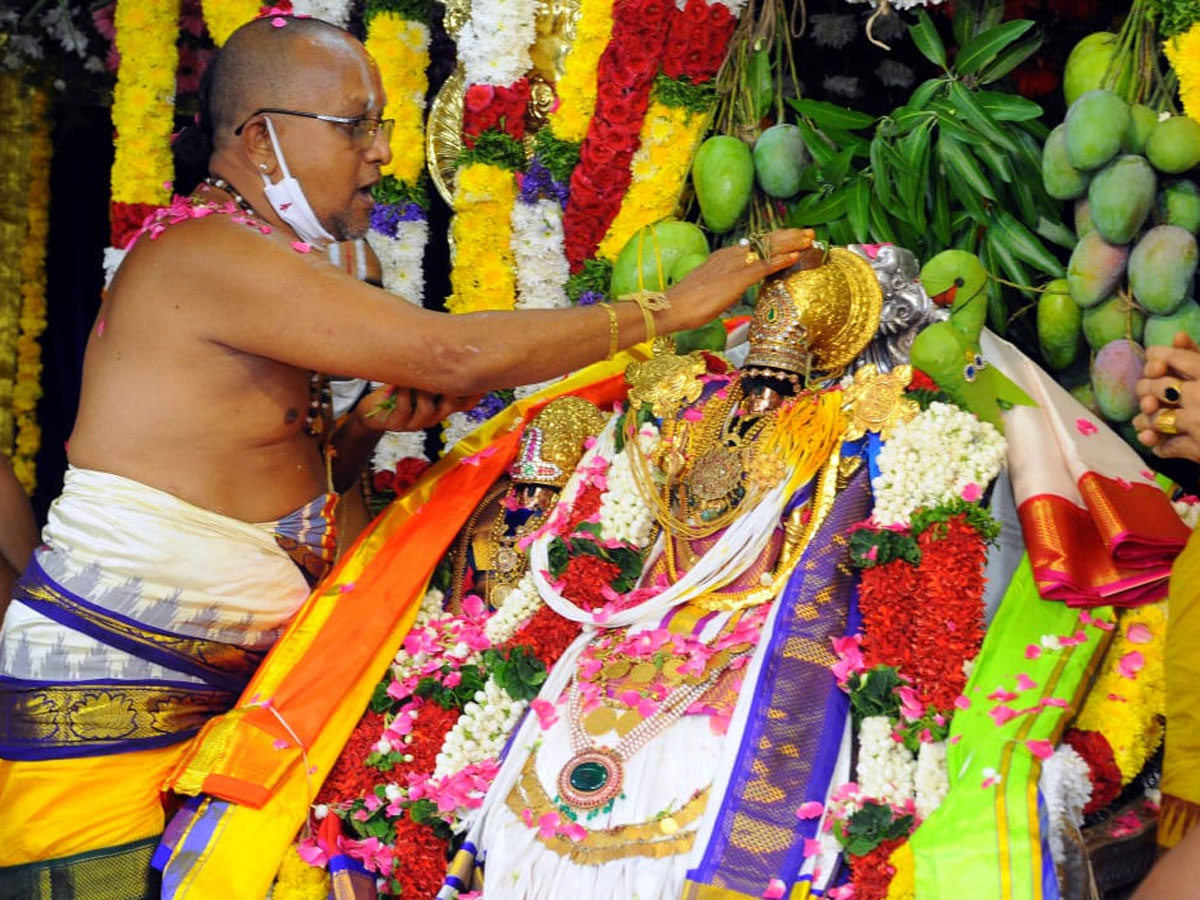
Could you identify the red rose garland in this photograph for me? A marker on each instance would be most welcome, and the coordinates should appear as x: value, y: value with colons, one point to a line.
x: 1094, y: 749
x: 625, y: 76
x: 699, y: 37
x: 499, y: 108
x: 886, y: 595
x: 872, y: 873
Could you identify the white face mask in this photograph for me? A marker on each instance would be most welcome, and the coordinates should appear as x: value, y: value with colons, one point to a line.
x: 287, y: 199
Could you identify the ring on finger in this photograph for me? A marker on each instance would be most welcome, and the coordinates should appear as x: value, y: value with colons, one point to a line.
x: 1172, y: 392
x: 1164, y: 422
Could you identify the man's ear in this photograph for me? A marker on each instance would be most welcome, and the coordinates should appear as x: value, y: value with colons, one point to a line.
x: 256, y: 144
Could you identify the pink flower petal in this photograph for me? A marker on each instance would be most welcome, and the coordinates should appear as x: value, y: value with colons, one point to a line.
x: 1058, y: 702
x: 1002, y: 695
x: 811, y: 848
x: 1032, y: 651
x: 1025, y: 683
x: 1138, y: 633
x: 1040, y: 749
x: 279, y: 21
x: 1086, y: 427
x: 1123, y: 484
x: 1001, y: 714
x: 1131, y: 663
x: 972, y: 492
x: 810, y: 810
x: 301, y: 246
x: 775, y: 890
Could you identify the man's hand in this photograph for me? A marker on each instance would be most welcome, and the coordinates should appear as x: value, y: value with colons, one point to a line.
x: 391, y: 408
x: 1171, y: 387
x: 719, y: 282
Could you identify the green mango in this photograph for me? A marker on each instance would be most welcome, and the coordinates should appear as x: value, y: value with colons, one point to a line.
x: 1095, y: 269
x: 1120, y: 198
x: 1058, y: 322
x: 1142, y: 120
x: 1083, y: 218
x: 1162, y: 267
x: 1095, y: 125
x: 723, y: 175
x: 1061, y: 179
x: 1113, y: 319
x: 780, y: 158
x: 671, y: 248
x: 1085, y: 395
x: 1161, y: 330
x: 1174, y: 145
x: 1116, y: 369
x: 1179, y: 204
x: 1087, y: 64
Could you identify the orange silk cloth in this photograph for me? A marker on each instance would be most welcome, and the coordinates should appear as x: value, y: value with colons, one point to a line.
x: 1098, y: 528
x: 347, y: 632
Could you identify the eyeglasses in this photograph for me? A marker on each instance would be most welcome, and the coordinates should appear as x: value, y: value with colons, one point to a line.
x: 363, y: 129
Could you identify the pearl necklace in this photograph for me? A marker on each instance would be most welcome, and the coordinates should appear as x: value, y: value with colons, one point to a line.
x: 222, y: 185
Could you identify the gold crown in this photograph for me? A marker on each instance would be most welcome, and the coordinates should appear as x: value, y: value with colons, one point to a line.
x: 828, y: 313
x: 552, y: 442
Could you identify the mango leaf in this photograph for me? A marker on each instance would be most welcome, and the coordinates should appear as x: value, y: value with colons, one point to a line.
x: 830, y: 115
x: 925, y: 92
x: 914, y: 150
x: 840, y: 231
x: 1026, y: 203
x: 964, y: 24
x: 984, y: 47
x: 1007, y: 107
x: 881, y: 229
x: 941, y: 212
x: 1057, y: 233
x: 859, y: 208
x: 971, y: 113
x: 956, y: 159
x: 961, y: 191
x: 1009, y: 261
x: 834, y: 171
x: 1026, y: 245
x: 818, y: 145
x: 929, y: 42
x: 880, y: 175
x: 1011, y: 57
x: 995, y: 160
x: 997, y: 310
x: 952, y: 123
x: 991, y: 14
x: 817, y: 209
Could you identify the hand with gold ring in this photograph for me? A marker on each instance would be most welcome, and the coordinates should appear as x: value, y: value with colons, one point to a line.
x: 751, y: 251
x: 1169, y: 400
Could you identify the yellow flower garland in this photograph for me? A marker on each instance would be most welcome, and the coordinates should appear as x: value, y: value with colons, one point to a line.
x: 144, y: 101
x: 1129, y: 711
x: 224, y: 17
x: 27, y: 388
x: 297, y: 880
x: 659, y: 168
x: 483, y: 274
x: 903, y: 884
x: 1183, y: 51
x: 576, y: 90
x: 401, y: 48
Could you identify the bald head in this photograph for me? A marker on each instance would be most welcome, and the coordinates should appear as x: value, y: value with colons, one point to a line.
x: 264, y: 65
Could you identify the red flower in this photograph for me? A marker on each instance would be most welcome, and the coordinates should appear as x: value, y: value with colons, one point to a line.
x: 587, y: 505
x: 872, y: 873
x: 922, y: 382
x: 127, y: 220
x: 1102, y: 767
x: 546, y: 635
x: 478, y: 97
x: 422, y: 860
x: 502, y: 108
x: 349, y: 779
x: 584, y: 579
x: 383, y: 481
x: 408, y: 471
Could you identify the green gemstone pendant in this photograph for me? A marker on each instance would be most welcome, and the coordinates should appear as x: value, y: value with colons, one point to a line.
x: 591, y: 778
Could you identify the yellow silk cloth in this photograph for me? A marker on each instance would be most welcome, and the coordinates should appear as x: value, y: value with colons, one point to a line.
x: 1181, y: 761
x: 69, y: 806
x: 317, y: 680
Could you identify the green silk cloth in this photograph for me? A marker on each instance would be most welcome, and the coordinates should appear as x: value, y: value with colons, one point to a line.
x: 988, y: 838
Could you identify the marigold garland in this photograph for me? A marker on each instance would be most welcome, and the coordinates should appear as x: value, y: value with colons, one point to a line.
x: 143, y: 107
x: 483, y: 277
x: 576, y: 90
x: 223, y: 17
x: 1183, y: 52
x: 1127, y: 702
x: 401, y: 48
x: 297, y: 880
x: 27, y: 387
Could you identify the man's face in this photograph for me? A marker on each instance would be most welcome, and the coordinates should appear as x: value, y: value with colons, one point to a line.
x: 336, y: 171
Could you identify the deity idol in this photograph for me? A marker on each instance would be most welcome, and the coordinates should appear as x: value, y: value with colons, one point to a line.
x: 699, y: 545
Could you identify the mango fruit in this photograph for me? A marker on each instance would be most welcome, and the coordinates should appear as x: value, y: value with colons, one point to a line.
x: 1161, y: 330
x: 1083, y: 218
x: 1058, y: 322
x: 1110, y: 320
x: 1179, y: 204
x: 723, y: 175
x: 1116, y: 369
x: 1095, y: 124
x: 1174, y: 145
x: 1085, y: 395
x: 1161, y: 268
x: 670, y: 247
x: 1095, y: 269
x: 779, y: 160
x: 1087, y: 64
x: 1120, y: 198
x: 1061, y: 179
x: 1142, y: 120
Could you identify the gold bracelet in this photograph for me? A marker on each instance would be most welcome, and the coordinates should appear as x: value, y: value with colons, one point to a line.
x: 614, y: 338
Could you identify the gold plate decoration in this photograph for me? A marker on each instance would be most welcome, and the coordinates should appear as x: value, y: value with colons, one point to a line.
x: 875, y: 401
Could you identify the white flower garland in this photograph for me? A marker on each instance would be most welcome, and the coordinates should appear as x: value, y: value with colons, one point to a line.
x: 400, y: 259
x: 528, y: 390
x: 494, y: 45
x: 1066, y: 788
x: 481, y: 731
x: 886, y: 770
x: 336, y: 12
x: 537, y: 245
x: 931, y: 459
x: 456, y: 427
x: 113, y: 257
x: 932, y: 778
x: 624, y: 513
x: 395, y: 446
x: 519, y: 606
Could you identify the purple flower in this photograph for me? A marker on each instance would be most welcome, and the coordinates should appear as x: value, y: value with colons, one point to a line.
x: 590, y: 298
x: 386, y: 217
x: 538, y: 183
x: 487, y: 407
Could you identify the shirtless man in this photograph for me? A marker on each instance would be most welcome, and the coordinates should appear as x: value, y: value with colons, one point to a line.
x: 171, y: 557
